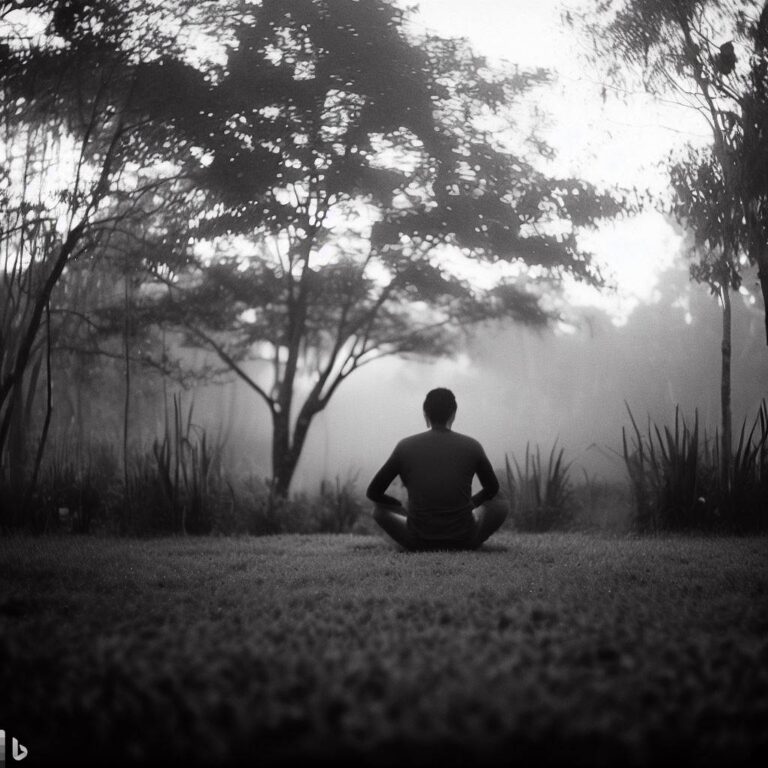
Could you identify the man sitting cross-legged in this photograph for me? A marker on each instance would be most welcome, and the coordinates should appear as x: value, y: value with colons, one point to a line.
x: 437, y: 468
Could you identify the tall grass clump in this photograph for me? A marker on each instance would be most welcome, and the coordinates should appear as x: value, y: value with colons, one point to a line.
x: 743, y: 504
x: 336, y: 508
x: 177, y: 486
x: 253, y: 508
x: 75, y: 486
x: 665, y: 472
x: 675, y: 477
x: 540, y: 496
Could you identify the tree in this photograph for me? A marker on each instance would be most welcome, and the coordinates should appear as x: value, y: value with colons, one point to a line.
x: 751, y: 153
x: 91, y: 140
x: 712, y: 55
x: 703, y: 204
x: 355, y: 171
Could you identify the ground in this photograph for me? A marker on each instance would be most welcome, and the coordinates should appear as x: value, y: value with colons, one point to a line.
x: 566, y: 649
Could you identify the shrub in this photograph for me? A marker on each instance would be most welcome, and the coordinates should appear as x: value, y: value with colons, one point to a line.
x: 176, y: 487
x: 339, y: 506
x: 676, y: 482
x: 78, y: 487
x: 74, y: 489
x: 743, y: 504
x: 665, y: 474
x: 540, y: 498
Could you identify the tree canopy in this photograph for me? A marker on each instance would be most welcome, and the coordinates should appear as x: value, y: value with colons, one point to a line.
x: 713, y: 56
x: 96, y: 108
x: 357, y: 176
x: 310, y: 184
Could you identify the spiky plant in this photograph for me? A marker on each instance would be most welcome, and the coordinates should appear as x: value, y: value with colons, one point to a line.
x: 540, y: 496
x: 665, y: 470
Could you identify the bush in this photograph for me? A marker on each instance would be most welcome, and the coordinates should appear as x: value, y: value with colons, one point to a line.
x: 677, y: 484
x: 176, y: 487
x: 539, y: 498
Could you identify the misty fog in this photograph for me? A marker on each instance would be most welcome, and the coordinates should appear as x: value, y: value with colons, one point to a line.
x: 516, y: 385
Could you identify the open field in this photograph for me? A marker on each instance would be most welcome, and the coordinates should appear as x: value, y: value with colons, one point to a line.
x: 540, y: 649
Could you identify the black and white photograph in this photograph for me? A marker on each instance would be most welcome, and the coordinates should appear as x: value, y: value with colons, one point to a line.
x: 383, y: 383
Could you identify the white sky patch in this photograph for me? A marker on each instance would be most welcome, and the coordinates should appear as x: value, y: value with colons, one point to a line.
x: 620, y: 140
x: 631, y: 253
x: 481, y: 275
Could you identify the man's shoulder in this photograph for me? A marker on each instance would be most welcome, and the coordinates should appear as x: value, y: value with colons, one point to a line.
x: 410, y: 440
x: 425, y: 438
x: 470, y: 442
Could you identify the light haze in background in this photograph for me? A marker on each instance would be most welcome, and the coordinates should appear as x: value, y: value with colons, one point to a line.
x: 514, y: 385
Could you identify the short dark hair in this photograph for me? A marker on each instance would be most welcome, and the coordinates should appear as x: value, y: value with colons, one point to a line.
x: 439, y: 405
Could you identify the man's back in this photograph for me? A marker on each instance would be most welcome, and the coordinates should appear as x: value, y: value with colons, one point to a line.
x: 437, y: 468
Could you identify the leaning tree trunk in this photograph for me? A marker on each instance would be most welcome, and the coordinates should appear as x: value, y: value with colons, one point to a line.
x: 21, y: 356
x: 725, y: 393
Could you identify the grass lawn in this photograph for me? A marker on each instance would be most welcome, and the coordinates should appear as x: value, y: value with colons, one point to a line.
x: 567, y: 649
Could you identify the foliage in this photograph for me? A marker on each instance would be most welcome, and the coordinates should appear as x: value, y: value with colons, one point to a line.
x: 743, y: 507
x: 98, y: 111
x: 338, y: 650
x: 336, y: 508
x: 177, y: 487
x: 703, y: 204
x: 339, y: 151
x: 350, y: 163
x: 713, y: 56
x: 540, y: 498
x: 666, y: 475
x: 676, y: 480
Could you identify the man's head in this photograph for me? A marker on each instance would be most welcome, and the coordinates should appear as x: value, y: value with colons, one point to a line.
x: 439, y: 407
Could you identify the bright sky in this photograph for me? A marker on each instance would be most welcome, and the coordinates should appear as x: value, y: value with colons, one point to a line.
x: 615, y: 143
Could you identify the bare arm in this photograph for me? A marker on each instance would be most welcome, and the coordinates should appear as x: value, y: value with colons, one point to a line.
x: 488, y: 480
x: 381, y: 480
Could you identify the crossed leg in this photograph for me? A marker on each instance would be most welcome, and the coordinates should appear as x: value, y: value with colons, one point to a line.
x: 393, y: 522
x: 488, y: 520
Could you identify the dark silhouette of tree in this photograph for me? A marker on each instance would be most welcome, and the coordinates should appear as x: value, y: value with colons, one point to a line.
x: 98, y: 111
x: 353, y: 168
x: 751, y: 148
x: 703, y: 204
x: 712, y: 56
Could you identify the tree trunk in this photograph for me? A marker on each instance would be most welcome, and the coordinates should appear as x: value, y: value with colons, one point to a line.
x: 287, y: 447
x: 763, y: 277
x: 283, y: 464
x: 127, y: 493
x: 725, y: 393
x: 19, y: 365
x: 28, y: 506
